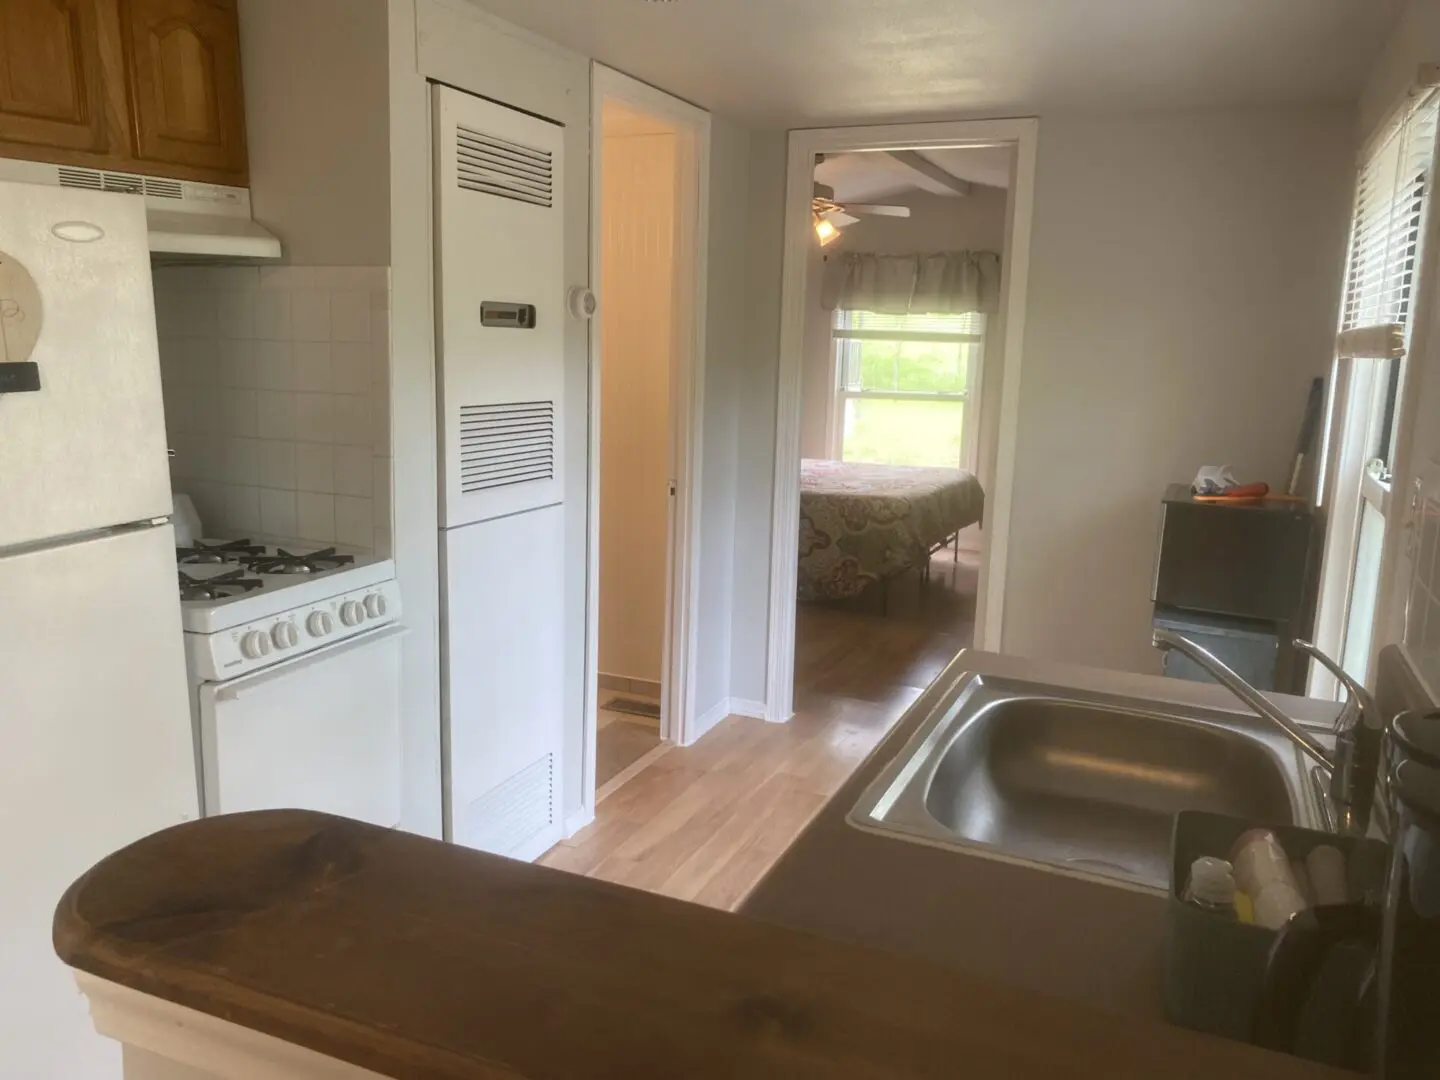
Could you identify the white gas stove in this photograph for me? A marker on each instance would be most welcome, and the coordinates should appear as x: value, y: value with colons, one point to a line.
x: 294, y: 664
x: 246, y: 606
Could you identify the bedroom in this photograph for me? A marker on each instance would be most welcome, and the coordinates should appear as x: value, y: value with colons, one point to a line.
x: 902, y: 291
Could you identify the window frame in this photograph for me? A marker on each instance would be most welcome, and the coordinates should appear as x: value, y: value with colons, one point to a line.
x: 843, y: 338
x: 1368, y: 428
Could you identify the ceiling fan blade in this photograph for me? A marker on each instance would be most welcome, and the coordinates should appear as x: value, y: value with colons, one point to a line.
x: 840, y: 219
x: 878, y: 210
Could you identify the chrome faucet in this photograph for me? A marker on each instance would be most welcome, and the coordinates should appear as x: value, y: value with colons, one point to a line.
x: 1353, y: 766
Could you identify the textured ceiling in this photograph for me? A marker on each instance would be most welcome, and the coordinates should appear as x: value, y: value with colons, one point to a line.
x: 795, y: 62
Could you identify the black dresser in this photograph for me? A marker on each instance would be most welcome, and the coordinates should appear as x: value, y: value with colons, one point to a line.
x: 1238, y: 579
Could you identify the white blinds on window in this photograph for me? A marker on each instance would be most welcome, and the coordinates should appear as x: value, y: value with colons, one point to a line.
x: 1390, y: 201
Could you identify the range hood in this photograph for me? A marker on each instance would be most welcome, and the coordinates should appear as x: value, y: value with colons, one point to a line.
x: 189, y: 222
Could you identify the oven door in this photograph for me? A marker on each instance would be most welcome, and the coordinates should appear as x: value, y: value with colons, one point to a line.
x: 321, y: 732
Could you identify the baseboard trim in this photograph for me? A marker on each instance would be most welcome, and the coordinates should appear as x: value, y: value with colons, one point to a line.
x: 709, y: 718
x: 578, y: 820
x: 756, y: 710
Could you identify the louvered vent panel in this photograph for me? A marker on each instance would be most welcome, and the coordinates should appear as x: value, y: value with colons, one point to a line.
x: 130, y: 183
x: 514, y: 811
x: 497, y: 166
x: 501, y: 445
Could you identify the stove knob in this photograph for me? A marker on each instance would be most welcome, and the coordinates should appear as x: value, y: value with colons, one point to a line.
x: 352, y: 613
x: 319, y: 624
x: 255, y: 645
x: 375, y: 605
x: 285, y: 635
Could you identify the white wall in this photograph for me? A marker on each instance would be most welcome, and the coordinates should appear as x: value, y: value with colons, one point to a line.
x: 757, y: 384
x: 636, y: 289
x: 1414, y: 41
x: 318, y: 119
x: 727, y: 354
x: 1184, y: 277
x: 938, y: 223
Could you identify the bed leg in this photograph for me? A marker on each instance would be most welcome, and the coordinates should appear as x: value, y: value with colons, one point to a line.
x: 955, y: 556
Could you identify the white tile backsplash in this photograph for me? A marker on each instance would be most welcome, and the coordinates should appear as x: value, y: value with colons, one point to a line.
x: 275, y: 414
x: 312, y: 367
x: 277, y: 399
x: 310, y: 316
x: 314, y: 467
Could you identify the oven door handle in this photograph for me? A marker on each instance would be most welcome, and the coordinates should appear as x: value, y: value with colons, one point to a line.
x: 233, y: 690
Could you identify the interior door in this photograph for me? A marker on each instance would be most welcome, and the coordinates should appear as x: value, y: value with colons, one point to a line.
x: 52, y: 82
x: 97, y: 753
x: 320, y: 733
x: 188, y: 105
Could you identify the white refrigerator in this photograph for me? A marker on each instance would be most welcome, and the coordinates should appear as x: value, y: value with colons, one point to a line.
x: 96, y: 748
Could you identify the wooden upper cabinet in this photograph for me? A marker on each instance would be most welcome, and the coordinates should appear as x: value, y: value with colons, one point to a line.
x: 52, y: 81
x: 187, y: 105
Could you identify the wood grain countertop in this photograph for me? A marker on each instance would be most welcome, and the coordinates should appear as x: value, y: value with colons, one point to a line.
x: 425, y: 961
x: 1003, y: 921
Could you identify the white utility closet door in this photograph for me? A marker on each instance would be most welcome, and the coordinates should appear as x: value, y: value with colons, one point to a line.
x: 500, y: 239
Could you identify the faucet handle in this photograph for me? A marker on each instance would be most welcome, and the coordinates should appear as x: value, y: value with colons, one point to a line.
x: 1360, y: 700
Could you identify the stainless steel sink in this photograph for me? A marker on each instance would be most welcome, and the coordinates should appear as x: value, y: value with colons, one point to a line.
x: 1086, y: 782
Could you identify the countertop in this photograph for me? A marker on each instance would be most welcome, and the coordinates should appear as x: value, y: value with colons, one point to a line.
x: 1011, y: 923
x: 425, y: 961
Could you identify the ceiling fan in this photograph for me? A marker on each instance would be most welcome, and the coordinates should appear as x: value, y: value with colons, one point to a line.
x: 831, y: 216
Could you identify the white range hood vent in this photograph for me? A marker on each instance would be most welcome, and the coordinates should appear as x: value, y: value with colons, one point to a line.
x: 189, y: 221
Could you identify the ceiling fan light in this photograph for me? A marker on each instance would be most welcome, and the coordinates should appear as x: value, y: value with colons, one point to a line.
x: 825, y: 231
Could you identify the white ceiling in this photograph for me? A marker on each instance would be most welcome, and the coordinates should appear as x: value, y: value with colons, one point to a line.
x: 792, y: 62
x: 864, y: 177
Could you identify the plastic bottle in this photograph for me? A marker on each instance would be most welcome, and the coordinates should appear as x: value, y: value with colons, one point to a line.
x: 1211, y: 886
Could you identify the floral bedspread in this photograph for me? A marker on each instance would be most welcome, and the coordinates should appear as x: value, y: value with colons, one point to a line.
x: 865, y: 523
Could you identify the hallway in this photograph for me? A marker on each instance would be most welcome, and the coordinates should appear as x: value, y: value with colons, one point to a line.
x: 704, y: 823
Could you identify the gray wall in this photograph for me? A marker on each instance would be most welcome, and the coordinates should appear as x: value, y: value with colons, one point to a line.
x: 726, y: 351
x: 755, y: 414
x: 1184, y: 276
x: 1184, y: 279
x: 317, y: 110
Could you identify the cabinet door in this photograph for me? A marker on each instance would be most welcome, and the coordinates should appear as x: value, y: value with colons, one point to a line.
x: 183, y: 61
x: 52, y: 91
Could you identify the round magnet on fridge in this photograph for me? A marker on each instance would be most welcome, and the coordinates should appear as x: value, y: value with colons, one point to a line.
x: 20, y: 312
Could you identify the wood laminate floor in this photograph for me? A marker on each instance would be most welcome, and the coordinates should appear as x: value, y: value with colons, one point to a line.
x: 705, y: 822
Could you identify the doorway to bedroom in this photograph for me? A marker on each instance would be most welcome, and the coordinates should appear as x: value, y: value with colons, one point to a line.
x: 901, y: 356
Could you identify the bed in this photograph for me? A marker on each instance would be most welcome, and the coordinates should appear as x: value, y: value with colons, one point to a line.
x: 865, y: 524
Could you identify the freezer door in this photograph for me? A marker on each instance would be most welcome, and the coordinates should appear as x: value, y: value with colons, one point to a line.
x: 86, y: 450
x: 97, y: 752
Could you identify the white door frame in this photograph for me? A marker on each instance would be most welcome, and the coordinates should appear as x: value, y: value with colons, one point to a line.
x: 692, y: 239
x: 784, y: 548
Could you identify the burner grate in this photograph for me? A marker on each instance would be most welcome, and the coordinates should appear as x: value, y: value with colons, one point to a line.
x: 219, y: 587
x: 203, y: 553
x: 285, y: 562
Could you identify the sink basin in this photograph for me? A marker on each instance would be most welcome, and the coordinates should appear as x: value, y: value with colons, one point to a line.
x: 1084, y: 782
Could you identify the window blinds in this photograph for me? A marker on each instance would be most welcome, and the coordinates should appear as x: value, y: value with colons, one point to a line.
x: 1390, y: 201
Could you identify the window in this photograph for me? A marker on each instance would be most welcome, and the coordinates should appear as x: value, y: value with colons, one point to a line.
x: 1390, y: 200
x: 1377, y: 314
x: 905, y: 388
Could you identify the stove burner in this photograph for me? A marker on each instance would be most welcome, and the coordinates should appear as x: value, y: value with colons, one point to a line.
x: 219, y: 587
x: 202, y: 553
x: 283, y: 562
